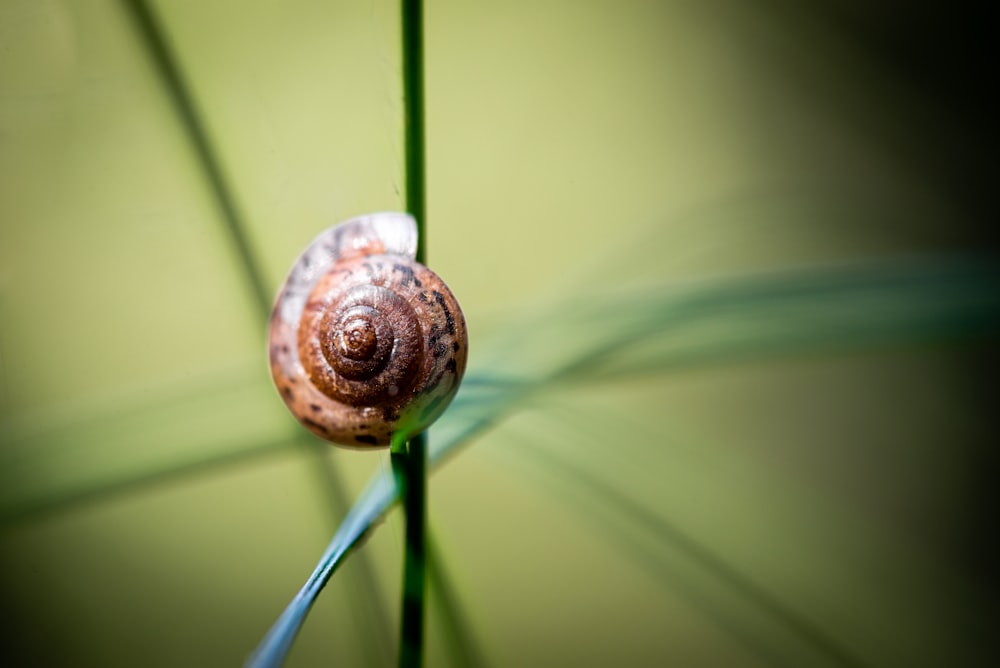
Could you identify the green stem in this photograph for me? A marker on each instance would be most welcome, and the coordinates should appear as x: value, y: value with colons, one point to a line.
x: 410, y: 466
x: 413, y: 119
x: 410, y: 469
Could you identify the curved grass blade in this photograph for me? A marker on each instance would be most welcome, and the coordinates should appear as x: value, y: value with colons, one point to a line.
x: 843, y: 308
x: 662, y: 327
x: 380, y: 494
x: 376, y: 499
x: 656, y: 330
x: 370, y: 614
x: 615, y: 508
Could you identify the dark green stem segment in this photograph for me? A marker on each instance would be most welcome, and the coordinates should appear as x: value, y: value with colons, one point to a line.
x: 410, y: 466
x: 410, y: 469
x: 413, y: 119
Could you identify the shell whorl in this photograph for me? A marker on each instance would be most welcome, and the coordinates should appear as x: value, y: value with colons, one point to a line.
x: 363, y: 338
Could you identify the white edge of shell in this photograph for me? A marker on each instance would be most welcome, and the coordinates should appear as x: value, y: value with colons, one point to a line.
x: 397, y: 231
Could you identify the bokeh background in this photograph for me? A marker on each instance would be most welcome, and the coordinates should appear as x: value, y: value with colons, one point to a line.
x: 159, y: 507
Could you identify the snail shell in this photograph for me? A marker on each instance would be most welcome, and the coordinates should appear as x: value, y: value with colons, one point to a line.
x: 364, y: 340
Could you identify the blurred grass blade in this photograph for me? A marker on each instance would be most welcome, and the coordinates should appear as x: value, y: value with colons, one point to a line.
x: 144, y: 480
x: 154, y: 39
x: 655, y: 329
x: 662, y: 327
x: 834, y: 308
x: 380, y: 494
x: 613, y: 508
x: 455, y: 628
x: 370, y: 614
x: 88, y: 451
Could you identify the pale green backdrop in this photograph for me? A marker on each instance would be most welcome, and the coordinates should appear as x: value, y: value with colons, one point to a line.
x: 572, y: 146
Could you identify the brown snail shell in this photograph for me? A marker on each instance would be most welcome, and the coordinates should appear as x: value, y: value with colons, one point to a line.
x: 364, y: 340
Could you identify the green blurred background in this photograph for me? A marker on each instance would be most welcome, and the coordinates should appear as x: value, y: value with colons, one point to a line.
x: 158, y: 505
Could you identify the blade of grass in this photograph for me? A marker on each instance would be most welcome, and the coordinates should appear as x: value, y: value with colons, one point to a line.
x: 967, y: 307
x: 616, y: 508
x: 831, y: 307
x: 653, y: 561
x: 410, y: 463
x: 156, y: 430
x: 376, y: 499
x: 657, y: 330
x: 104, y: 489
x: 825, y: 309
x: 369, y: 612
x: 409, y: 469
x: 460, y: 641
x: 154, y: 39
x: 413, y: 119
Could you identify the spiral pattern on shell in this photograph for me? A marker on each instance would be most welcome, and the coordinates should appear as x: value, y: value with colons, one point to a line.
x: 364, y: 340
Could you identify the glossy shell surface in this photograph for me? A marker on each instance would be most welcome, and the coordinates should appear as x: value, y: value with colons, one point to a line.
x: 364, y: 340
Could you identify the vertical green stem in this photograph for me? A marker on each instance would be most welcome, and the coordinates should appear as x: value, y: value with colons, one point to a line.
x: 410, y: 464
x: 413, y: 118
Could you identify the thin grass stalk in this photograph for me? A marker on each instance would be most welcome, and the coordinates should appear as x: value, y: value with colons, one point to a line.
x: 415, y: 160
x: 409, y: 466
x: 410, y: 463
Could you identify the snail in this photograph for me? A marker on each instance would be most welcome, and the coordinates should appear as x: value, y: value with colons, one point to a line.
x: 364, y: 340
